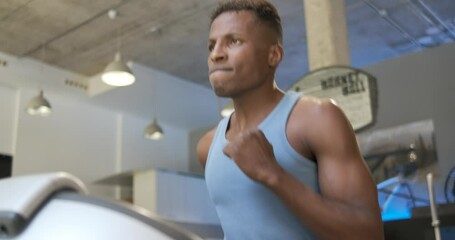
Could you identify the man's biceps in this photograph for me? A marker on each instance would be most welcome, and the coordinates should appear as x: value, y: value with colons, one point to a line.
x: 345, y: 179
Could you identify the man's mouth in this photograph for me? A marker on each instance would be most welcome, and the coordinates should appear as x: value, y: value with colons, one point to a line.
x: 221, y: 69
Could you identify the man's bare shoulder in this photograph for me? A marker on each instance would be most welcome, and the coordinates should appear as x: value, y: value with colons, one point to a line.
x: 316, y: 110
x: 311, y: 119
x: 204, y: 145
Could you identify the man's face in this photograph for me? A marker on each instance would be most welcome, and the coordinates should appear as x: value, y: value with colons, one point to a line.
x: 239, y: 47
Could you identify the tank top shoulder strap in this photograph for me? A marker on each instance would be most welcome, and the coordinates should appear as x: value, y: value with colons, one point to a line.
x: 219, y: 138
x: 282, y: 110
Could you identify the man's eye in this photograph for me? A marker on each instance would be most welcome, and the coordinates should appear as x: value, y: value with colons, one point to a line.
x: 210, y: 47
x: 236, y: 41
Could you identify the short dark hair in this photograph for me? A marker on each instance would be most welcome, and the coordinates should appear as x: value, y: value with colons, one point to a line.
x: 264, y: 11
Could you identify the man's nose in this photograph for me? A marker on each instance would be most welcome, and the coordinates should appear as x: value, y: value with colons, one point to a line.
x: 218, y: 53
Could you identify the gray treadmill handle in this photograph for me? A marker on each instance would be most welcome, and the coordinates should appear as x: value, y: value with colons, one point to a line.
x: 11, y: 224
x: 23, y: 196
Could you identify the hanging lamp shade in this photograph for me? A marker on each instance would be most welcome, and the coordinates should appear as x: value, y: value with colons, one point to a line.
x: 227, y: 109
x: 117, y: 73
x: 39, y: 106
x: 154, y: 131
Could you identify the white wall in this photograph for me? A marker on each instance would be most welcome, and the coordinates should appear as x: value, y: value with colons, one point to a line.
x: 164, y: 96
x: 137, y: 152
x: 7, y: 119
x: 184, y: 198
x: 76, y: 137
x: 81, y: 136
x: 173, y: 195
x: 417, y: 87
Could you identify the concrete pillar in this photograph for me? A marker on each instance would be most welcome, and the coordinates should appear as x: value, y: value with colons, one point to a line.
x: 145, y: 189
x: 326, y: 33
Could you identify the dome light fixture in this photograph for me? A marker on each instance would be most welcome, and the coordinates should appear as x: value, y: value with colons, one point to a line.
x: 39, y: 106
x: 227, y: 109
x: 117, y: 73
x: 154, y: 131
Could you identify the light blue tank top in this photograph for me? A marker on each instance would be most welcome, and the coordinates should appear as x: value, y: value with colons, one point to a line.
x: 247, y: 209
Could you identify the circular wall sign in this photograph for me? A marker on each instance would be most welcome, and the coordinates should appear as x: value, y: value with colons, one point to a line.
x: 354, y: 91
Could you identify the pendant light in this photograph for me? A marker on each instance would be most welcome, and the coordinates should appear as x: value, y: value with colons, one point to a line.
x: 154, y: 131
x: 227, y: 109
x: 39, y: 106
x: 117, y: 73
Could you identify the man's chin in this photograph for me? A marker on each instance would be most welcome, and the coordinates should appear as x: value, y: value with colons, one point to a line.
x: 219, y: 90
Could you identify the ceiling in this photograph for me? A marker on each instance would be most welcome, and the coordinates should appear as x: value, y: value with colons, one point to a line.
x: 171, y: 35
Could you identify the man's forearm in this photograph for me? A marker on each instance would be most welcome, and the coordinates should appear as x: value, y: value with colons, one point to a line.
x: 327, y: 219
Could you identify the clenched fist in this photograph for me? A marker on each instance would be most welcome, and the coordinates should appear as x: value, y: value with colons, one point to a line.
x: 253, y: 154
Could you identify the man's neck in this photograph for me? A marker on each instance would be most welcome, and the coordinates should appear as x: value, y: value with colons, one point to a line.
x: 252, y: 109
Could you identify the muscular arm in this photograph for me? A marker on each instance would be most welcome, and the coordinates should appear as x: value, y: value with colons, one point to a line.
x: 347, y: 207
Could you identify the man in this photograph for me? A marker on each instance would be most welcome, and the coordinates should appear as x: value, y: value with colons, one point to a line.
x: 282, y: 166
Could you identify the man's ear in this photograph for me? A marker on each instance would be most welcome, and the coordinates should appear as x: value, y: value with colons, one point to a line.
x: 275, y: 55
